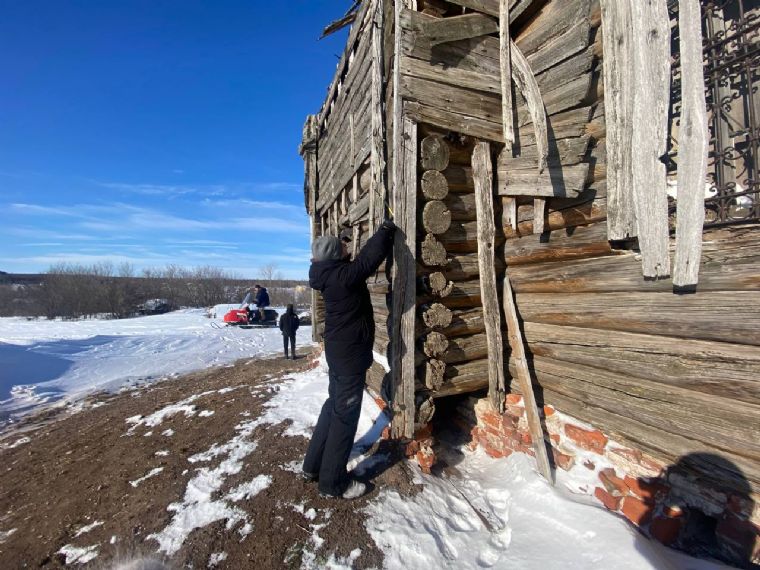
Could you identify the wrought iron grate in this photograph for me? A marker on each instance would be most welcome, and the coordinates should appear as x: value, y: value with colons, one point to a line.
x: 731, y: 40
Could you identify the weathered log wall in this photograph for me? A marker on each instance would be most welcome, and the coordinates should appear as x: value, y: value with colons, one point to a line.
x: 669, y: 374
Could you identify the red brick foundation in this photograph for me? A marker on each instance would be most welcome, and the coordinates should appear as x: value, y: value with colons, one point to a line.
x: 674, y: 509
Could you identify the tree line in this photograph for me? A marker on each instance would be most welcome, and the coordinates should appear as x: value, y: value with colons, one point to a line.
x: 76, y: 291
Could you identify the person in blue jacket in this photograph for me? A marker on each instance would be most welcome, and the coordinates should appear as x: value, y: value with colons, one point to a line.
x: 349, y: 336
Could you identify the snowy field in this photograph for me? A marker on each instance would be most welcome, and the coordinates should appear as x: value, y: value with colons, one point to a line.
x: 54, y: 362
x: 493, y: 514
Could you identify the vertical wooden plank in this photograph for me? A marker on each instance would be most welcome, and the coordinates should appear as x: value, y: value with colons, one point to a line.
x: 404, y: 248
x: 692, y: 148
x: 618, y: 82
x: 309, y: 147
x: 404, y: 281
x: 509, y: 212
x: 482, y: 174
x: 516, y: 343
x: 650, y: 25
x: 378, y: 186
x: 506, y: 76
x: 539, y: 213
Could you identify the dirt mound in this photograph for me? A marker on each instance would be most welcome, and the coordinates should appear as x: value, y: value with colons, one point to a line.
x: 94, y: 486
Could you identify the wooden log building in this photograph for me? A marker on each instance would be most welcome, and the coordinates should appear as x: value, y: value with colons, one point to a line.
x: 575, y: 184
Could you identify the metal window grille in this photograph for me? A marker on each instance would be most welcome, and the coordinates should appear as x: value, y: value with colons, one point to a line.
x: 731, y: 45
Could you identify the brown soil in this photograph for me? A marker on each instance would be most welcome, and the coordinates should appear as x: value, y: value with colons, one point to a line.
x: 77, y: 469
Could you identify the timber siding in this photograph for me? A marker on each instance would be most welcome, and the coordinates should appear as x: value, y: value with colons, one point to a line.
x: 413, y: 124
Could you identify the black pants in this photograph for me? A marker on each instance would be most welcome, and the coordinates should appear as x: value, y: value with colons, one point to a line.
x: 292, y: 339
x: 334, y: 435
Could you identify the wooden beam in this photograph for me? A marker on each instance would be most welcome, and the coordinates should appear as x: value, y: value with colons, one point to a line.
x: 404, y: 279
x: 692, y: 147
x: 526, y: 81
x: 338, y: 24
x: 650, y: 25
x: 653, y: 313
x: 491, y: 7
x: 378, y: 190
x: 506, y: 76
x: 509, y: 212
x: 554, y: 182
x: 524, y: 380
x: 618, y: 82
x: 404, y: 282
x: 539, y: 212
x: 482, y: 170
x: 455, y: 28
x: 309, y: 146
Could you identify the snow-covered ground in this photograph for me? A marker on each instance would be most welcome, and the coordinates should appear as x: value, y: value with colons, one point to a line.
x: 44, y: 362
x: 492, y: 514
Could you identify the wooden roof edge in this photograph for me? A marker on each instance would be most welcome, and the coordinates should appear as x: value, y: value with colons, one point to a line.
x: 342, y: 68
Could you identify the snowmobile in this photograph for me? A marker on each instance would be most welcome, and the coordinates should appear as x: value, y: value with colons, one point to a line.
x: 247, y: 317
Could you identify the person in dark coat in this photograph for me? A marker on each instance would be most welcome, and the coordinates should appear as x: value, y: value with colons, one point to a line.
x: 349, y: 337
x: 261, y: 299
x: 289, y: 325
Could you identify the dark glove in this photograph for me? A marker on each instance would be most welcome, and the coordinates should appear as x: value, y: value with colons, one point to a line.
x: 389, y: 225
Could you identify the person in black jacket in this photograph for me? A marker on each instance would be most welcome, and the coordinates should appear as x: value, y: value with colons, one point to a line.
x: 261, y: 299
x: 349, y: 336
x: 289, y: 325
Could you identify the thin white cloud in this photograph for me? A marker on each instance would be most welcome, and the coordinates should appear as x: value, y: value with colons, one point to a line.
x: 127, y: 218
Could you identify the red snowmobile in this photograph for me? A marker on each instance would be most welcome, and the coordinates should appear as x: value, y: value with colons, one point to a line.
x: 247, y: 317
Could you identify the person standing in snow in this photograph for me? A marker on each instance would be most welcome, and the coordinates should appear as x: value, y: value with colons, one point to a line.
x: 288, y: 326
x: 261, y: 298
x: 349, y: 337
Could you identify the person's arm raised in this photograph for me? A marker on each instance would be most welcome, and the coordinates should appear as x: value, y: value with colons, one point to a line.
x: 371, y: 255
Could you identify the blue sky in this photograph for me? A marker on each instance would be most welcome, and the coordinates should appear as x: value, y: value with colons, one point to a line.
x: 159, y: 132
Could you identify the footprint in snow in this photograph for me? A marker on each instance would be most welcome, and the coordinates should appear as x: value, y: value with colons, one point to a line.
x: 497, y: 545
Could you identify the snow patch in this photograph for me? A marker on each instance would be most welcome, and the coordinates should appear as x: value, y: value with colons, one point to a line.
x: 6, y: 534
x: 250, y: 489
x: 206, y: 413
x: 20, y: 441
x: 74, y: 554
x: 216, y: 558
x: 197, y: 508
x: 151, y: 473
x: 88, y: 528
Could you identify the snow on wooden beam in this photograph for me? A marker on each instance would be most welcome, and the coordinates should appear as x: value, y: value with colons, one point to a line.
x: 692, y: 148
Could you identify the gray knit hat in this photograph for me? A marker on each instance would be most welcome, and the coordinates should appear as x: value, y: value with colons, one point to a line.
x: 326, y: 248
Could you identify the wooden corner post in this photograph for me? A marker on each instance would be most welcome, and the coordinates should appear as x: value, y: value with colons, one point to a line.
x: 404, y: 282
x: 308, y: 151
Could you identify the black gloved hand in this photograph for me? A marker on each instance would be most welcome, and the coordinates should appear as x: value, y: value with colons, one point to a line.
x: 389, y: 225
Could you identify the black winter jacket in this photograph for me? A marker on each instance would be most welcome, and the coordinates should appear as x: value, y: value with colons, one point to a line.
x: 262, y: 298
x: 289, y: 324
x: 349, y: 324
